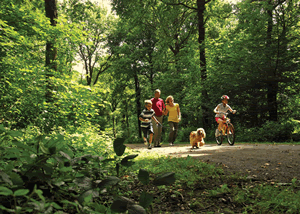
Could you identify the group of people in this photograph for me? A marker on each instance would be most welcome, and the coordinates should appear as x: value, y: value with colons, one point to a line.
x: 152, y: 117
x: 155, y: 109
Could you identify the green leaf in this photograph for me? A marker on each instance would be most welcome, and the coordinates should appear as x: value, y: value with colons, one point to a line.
x: 143, y: 176
x: 129, y: 157
x: 65, y: 155
x: 109, y: 181
x: 86, y: 196
x: 108, y: 160
x: 16, y: 179
x: 119, y: 148
x: 120, y: 204
x: 43, y: 148
x: 165, y: 179
x: 6, y: 178
x: 21, y: 192
x: 69, y: 202
x: 56, y: 206
x: 100, y: 208
x: 5, y: 191
x: 39, y: 193
x: 146, y: 199
x: 136, y: 209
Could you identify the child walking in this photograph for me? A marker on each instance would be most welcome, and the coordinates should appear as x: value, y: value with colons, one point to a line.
x: 146, y: 124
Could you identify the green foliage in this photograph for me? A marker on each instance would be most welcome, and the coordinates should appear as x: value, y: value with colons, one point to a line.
x: 269, y: 132
x: 50, y: 172
x: 269, y: 199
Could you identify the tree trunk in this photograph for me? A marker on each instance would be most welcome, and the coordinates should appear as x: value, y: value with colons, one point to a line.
x: 114, y: 127
x: 137, y: 100
x: 51, y: 52
x: 272, y: 84
x: 201, y: 41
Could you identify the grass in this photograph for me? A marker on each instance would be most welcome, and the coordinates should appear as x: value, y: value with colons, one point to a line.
x: 202, y: 187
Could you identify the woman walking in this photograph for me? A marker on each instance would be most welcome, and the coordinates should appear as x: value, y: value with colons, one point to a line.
x: 173, y: 119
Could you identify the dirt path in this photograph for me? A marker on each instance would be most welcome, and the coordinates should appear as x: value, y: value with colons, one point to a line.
x: 278, y: 163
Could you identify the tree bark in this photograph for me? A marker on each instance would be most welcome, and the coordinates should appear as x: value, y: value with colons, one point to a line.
x: 201, y: 41
x: 272, y: 84
x: 51, y: 51
x: 137, y: 100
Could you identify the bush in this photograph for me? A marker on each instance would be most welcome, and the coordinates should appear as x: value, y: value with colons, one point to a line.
x: 269, y: 132
x: 184, y: 134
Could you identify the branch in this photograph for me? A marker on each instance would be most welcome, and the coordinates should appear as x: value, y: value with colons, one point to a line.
x: 173, y: 4
x: 102, y: 70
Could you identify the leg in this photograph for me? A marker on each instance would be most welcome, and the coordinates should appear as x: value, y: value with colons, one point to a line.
x: 171, y: 134
x: 220, y: 122
x: 159, y: 130
x: 155, y: 130
x: 175, y: 132
x: 150, y: 136
x: 145, y: 133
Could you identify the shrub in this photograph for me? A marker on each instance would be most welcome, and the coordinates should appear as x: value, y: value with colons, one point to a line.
x: 184, y: 133
x: 269, y: 132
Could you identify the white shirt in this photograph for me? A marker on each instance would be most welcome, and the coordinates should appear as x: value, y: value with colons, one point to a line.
x: 221, y: 109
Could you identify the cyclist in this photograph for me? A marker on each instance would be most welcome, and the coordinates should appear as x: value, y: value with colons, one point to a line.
x: 220, y: 111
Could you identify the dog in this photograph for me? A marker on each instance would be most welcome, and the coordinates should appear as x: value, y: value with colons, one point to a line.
x: 197, y: 138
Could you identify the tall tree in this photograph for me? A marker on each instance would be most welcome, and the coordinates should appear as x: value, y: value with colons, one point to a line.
x: 96, y: 24
x: 200, y: 8
x: 51, y: 51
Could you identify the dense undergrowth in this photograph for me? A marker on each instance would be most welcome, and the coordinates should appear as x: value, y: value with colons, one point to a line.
x: 84, y: 172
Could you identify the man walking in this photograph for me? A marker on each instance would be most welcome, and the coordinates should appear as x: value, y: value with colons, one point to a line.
x: 158, y: 106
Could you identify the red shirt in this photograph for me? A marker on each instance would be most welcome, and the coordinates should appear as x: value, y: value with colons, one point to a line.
x: 158, y: 105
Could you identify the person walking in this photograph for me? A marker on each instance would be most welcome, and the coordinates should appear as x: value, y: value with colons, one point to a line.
x: 146, y: 125
x: 173, y: 119
x: 158, y: 106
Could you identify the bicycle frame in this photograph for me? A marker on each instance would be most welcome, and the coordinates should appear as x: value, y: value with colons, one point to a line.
x: 229, y: 132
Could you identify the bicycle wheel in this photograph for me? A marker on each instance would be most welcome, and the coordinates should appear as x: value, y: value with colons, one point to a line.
x: 230, y: 135
x: 219, y: 138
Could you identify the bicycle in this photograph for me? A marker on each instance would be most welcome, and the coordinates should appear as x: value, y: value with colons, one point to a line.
x: 228, y: 130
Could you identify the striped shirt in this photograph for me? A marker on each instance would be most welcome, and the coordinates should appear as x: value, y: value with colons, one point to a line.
x: 146, y: 114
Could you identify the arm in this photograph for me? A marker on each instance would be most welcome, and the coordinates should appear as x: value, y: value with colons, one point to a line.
x: 166, y: 111
x: 179, y: 113
x: 232, y: 111
x: 216, y: 110
x: 154, y: 118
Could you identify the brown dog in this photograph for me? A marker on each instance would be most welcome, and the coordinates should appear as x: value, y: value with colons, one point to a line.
x: 197, y: 138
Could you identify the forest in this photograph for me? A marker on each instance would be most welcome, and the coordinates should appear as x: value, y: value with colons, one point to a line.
x: 74, y: 75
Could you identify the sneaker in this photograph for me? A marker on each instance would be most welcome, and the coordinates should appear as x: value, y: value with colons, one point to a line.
x: 170, y: 144
x: 158, y: 145
x: 149, y: 146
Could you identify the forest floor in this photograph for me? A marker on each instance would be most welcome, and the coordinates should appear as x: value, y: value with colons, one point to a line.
x: 277, y: 162
x: 245, y: 166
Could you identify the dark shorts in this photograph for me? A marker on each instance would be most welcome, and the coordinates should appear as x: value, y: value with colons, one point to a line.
x: 147, y: 130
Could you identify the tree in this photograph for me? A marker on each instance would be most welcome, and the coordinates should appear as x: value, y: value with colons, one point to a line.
x: 51, y: 51
x: 96, y: 24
